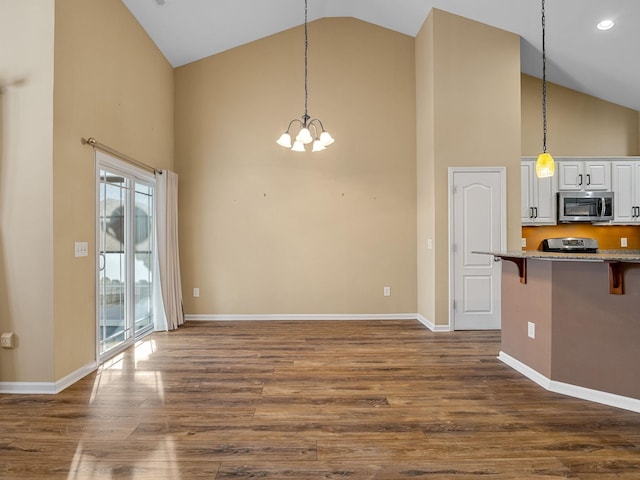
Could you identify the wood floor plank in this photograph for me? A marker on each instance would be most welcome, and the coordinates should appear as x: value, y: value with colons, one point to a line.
x: 311, y: 400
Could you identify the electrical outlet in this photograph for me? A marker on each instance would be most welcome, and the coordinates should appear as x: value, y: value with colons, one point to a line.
x: 531, y: 329
x: 429, y: 243
x: 523, y: 242
x: 387, y: 291
x: 7, y: 340
x: 196, y: 292
x: 623, y: 242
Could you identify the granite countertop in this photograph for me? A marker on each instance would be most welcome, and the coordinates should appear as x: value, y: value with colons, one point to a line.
x: 630, y: 256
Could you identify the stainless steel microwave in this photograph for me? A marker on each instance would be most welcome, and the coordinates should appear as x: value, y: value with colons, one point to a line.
x: 585, y: 206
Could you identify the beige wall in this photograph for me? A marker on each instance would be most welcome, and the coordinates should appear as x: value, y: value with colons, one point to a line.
x: 26, y: 233
x: 577, y: 124
x: 476, y: 122
x: 112, y: 83
x: 268, y: 231
x: 425, y: 170
x: 102, y: 78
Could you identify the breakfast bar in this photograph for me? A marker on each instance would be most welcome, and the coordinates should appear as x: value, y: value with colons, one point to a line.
x: 571, y: 322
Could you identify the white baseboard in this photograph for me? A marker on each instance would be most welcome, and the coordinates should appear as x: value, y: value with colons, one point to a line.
x: 301, y: 316
x: 47, y: 388
x: 575, y: 391
x: 432, y: 326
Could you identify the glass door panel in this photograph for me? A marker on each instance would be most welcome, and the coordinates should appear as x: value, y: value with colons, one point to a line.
x: 112, y: 266
x: 126, y: 256
x: 143, y: 266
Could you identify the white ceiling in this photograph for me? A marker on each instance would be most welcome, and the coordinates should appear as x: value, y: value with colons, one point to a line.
x: 579, y: 56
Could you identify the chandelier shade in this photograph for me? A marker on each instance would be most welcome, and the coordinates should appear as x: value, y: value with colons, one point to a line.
x: 309, y: 130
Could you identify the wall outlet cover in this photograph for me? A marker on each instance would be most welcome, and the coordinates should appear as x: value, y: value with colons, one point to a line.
x: 7, y: 340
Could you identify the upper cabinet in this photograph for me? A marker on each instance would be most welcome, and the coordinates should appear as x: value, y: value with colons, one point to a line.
x: 626, y: 188
x: 584, y: 175
x: 538, y: 203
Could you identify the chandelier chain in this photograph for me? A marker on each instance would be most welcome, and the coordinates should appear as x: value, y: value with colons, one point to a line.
x: 544, y: 84
x: 306, y: 48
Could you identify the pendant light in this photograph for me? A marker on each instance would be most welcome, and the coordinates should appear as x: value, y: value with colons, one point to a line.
x: 545, y: 165
x: 321, y: 138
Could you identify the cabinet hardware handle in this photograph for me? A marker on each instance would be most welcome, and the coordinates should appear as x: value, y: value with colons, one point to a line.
x: 530, y: 212
x: 588, y: 179
x: 535, y: 209
x: 580, y: 182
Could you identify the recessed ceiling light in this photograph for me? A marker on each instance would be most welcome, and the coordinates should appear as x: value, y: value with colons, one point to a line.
x: 605, y: 25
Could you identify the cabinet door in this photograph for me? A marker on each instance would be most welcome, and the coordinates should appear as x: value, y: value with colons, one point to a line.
x: 527, y: 174
x: 624, y: 189
x: 570, y: 176
x: 597, y: 175
x: 545, y: 194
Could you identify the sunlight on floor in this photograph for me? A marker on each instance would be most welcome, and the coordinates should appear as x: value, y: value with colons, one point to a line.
x: 160, y: 462
x: 130, y: 362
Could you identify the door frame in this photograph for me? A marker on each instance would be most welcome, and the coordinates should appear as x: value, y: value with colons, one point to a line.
x: 105, y: 160
x: 502, y: 171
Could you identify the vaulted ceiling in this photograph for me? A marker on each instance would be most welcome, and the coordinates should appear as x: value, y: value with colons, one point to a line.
x: 605, y: 64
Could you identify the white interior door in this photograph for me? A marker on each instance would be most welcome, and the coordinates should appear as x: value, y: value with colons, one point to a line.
x: 478, y: 223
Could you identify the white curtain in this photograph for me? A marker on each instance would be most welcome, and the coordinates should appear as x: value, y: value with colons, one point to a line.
x: 170, y: 286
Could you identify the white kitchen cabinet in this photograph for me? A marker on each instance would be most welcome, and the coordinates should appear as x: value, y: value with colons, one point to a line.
x: 626, y: 190
x: 584, y: 175
x: 538, y: 203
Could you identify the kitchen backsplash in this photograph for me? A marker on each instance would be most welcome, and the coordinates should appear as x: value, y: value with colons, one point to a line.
x: 608, y: 236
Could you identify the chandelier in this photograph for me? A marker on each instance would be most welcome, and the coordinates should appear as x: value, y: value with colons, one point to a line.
x: 545, y: 165
x: 321, y: 138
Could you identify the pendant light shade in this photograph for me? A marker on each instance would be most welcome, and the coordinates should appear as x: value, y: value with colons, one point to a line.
x: 304, y: 136
x: 320, y: 138
x: 545, y: 165
x: 284, y: 140
x: 298, y: 146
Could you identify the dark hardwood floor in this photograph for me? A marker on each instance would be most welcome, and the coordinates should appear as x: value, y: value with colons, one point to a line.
x: 313, y: 400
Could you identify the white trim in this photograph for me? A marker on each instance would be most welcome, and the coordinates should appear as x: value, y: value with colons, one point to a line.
x: 605, y: 398
x: 432, y: 326
x: 47, y: 388
x: 301, y: 316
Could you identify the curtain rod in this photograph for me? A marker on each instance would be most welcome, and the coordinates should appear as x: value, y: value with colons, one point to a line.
x: 101, y: 146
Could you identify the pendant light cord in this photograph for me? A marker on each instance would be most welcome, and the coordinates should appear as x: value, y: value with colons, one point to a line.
x: 544, y: 85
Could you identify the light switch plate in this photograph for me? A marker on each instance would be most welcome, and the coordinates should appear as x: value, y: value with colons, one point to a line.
x: 82, y: 249
x: 531, y: 330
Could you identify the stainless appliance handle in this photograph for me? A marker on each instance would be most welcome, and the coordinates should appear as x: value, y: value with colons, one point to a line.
x: 602, y: 203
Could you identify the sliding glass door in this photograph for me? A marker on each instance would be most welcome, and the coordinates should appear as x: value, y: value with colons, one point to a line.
x: 125, y: 263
